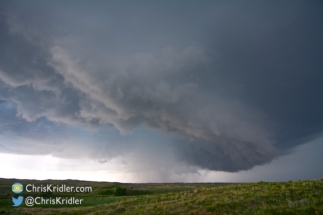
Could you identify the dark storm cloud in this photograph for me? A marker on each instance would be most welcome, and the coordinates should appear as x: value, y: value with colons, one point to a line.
x: 232, y: 82
x: 274, y: 51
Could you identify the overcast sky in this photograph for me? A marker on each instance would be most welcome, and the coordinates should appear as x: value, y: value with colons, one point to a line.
x: 161, y: 91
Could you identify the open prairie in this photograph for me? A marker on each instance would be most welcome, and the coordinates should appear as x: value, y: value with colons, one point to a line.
x: 293, y: 197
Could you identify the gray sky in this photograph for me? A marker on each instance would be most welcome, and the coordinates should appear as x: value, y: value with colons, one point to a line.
x: 181, y: 87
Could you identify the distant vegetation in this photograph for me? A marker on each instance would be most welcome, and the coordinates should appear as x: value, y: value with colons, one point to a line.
x: 121, y: 191
x: 301, y: 197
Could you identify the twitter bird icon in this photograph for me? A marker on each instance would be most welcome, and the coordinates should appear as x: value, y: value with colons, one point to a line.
x: 17, y: 201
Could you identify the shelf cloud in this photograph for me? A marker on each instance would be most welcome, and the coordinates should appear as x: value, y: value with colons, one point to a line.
x: 225, y: 86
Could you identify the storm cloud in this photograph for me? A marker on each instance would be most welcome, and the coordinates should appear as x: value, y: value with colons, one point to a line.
x: 227, y: 85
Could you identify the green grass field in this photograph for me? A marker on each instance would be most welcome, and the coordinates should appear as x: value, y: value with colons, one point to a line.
x: 301, y: 197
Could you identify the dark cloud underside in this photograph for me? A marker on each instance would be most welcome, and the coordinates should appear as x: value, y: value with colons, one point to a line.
x: 234, y: 84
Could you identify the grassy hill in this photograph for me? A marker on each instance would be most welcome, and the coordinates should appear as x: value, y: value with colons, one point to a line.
x: 301, y: 197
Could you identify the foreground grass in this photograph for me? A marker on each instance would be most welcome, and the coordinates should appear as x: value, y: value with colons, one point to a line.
x: 301, y: 197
